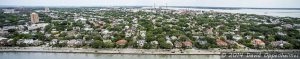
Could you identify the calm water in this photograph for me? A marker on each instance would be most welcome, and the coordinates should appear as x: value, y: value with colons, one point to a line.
x: 37, y: 55
x: 269, y: 12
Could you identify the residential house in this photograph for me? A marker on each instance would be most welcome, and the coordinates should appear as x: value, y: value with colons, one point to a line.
x: 89, y: 42
x: 75, y: 42
x: 279, y: 44
x: 258, y: 43
x: 154, y: 42
x: 141, y: 42
x: 62, y: 41
x: 173, y: 37
x: 187, y: 44
x: 209, y: 31
x: 178, y: 44
x: 248, y: 37
x: 106, y: 34
x: 3, y: 41
x: 121, y: 42
x: 169, y: 42
x: 201, y: 42
x: 107, y: 41
x: 29, y: 42
x: 221, y: 42
x: 237, y: 37
x: 54, y: 41
x: 143, y: 34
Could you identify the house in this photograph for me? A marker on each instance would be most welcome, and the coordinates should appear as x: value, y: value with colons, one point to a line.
x: 154, y: 42
x: 62, y: 41
x: 236, y: 37
x: 187, y: 44
x: 20, y: 41
x: 279, y: 43
x: 128, y: 33
x: 107, y: 41
x: 248, y: 37
x: 10, y: 11
x: 141, y: 42
x: 169, y: 42
x: 3, y: 33
x: 258, y: 43
x: 143, y: 34
x: 287, y: 26
x: 89, y: 42
x: 135, y: 20
x: 262, y: 37
x: 201, y: 42
x: 106, y: 33
x: 281, y: 33
x: 209, y: 31
x: 168, y: 38
x: 9, y: 42
x: 5, y: 28
x: 174, y: 37
x: 29, y: 42
x: 3, y: 41
x: 37, y: 42
x: 37, y: 26
x: 75, y: 42
x: 54, y: 41
x: 178, y: 44
x: 221, y: 42
x: 88, y: 29
x: 121, y: 42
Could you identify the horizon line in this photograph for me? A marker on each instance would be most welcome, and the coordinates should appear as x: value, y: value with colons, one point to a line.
x: 161, y: 6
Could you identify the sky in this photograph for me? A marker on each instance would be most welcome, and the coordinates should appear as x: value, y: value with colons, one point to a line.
x: 203, y: 3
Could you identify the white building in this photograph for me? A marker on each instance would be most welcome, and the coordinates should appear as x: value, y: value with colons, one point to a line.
x: 10, y: 11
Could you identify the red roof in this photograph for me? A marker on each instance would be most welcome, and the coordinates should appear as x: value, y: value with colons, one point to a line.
x: 187, y: 43
x: 121, y: 42
x: 221, y: 42
x: 258, y: 42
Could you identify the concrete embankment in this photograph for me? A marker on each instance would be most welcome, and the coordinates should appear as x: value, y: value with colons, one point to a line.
x: 137, y: 51
x: 109, y: 51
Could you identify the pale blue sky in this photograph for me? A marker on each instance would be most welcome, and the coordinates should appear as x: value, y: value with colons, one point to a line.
x: 206, y: 3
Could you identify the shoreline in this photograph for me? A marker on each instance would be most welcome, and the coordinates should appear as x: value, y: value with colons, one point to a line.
x: 136, y: 51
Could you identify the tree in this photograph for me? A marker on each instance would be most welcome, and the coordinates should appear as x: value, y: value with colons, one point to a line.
x: 165, y: 45
x: 108, y: 45
x: 96, y: 44
x: 147, y: 46
x: 271, y: 38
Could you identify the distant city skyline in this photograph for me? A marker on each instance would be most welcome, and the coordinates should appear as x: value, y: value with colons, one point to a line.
x: 204, y: 3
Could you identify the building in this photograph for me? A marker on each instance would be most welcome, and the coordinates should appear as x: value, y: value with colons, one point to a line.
x: 221, y: 42
x: 3, y: 41
x: 187, y: 44
x: 258, y: 43
x: 141, y: 42
x: 121, y: 42
x: 178, y: 44
x: 46, y: 10
x: 75, y: 42
x: 279, y: 44
x: 34, y: 18
x: 10, y: 11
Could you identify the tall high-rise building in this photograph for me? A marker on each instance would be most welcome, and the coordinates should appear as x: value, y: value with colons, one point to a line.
x: 34, y: 17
